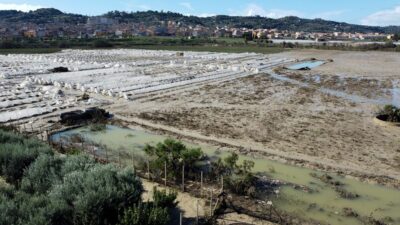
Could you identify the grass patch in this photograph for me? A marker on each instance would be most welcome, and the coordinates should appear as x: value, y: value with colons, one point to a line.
x: 98, y: 127
x: 29, y: 51
x: 213, y: 48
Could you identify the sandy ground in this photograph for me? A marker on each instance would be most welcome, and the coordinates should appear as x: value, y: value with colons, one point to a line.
x: 283, y: 119
x: 372, y: 64
x: 186, y: 203
x: 234, y: 218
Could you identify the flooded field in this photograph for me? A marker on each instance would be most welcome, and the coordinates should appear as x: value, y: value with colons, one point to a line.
x: 322, y: 118
x: 305, y: 65
x: 323, y: 203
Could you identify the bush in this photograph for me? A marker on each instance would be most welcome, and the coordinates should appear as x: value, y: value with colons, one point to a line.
x: 102, y: 44
x: 390, y: 113
x: 151, y: 213
x: 163, y: 199
x: 35, y: 182
x: 70, y: 190
x: 16, y: 155
x: 174, y: 154
x: 145, y: 214
x: 238, y: 177
x: 98, y: 127
x: 96, y: 196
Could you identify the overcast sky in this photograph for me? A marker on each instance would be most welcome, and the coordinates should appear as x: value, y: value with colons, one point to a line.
x: 366, y: 12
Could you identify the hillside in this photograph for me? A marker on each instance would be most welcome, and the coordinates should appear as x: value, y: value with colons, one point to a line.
x: 291, y: 23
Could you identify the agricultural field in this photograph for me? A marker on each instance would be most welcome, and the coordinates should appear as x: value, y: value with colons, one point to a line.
x: 320, y: 118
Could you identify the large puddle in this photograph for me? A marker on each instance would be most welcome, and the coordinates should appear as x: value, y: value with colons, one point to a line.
x: 323, y: 204
x: 306, y: 65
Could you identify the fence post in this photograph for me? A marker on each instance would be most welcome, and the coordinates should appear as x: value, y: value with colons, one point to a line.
x: 197, y: 212
x: 165, y: 173
x: 148, y: 169
x: 183, y: 177
x: 106, y: 154
x: 222, y: 183
x: 211, y: 199
x: 119, y: 159
x: 133, y: 161
x: 201, y: 184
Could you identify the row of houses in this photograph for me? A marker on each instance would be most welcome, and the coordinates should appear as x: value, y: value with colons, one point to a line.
x: 106, y: 27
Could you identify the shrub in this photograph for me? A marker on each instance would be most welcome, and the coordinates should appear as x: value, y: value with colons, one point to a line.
x: 17, y: 153
x: 151, y: 213
x: 34, y: 180
x: 163, y: 199
x: 390, y: 113
x: 145, y: 214
x: 70, y: 190
x: 102, y: 44
x: 98, y: 195
x: 174, y: 154
x: 98, y: 127
x: 238, y: 177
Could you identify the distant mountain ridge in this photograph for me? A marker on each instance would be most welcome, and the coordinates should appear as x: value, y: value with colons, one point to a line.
x: 149, y: 18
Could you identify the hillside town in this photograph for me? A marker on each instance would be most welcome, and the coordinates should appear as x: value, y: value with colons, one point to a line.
x: 104, y: 27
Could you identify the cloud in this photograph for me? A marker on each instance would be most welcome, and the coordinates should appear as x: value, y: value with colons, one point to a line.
x: 20, y: 7
x: 206, y: 14
x: 144, y: 7
x: 329, y: 15
x: 383, y: 18
x: 131, y: 6
x: 187, y: 5
x: 256, y: 10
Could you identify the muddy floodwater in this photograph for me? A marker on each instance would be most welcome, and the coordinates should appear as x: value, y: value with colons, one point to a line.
x: 323, y: 203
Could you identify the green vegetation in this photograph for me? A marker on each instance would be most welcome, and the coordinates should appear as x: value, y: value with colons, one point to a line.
x: 151, y: 213
x: 44, y: 188
x: 216, y: 48
x: 390, y: 113
x: 96, y: 127
x: 238, y: 177
x: 229, y: 45
x: 388, y: 46
x: 17, y: 154
x: 153, y: 18
x: 173, y: 154
x: 28, y: 51
x: 101, y: 43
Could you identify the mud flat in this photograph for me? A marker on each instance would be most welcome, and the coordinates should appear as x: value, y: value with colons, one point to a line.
x: 372, y: 64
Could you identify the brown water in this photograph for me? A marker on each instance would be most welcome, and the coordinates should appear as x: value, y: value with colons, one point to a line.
x: 323, y: 205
